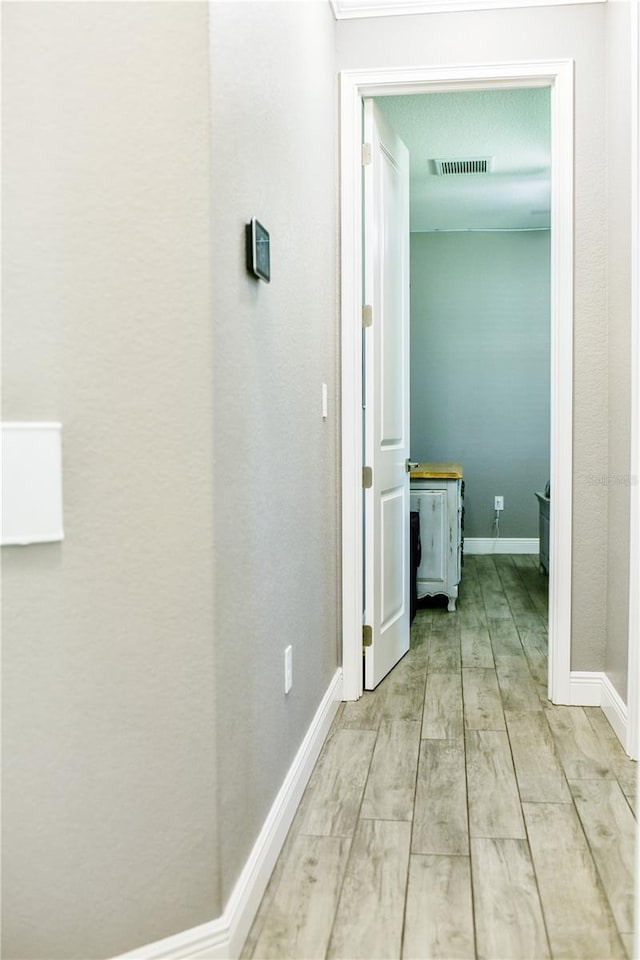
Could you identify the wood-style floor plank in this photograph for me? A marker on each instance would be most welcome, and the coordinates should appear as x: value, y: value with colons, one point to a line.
x: 517, y: 687
x: 620, y: 764
x: 333, y: 796
x: 578, y: 917
x: 444, y: 644
x: 505, y: 639
x: 300, y: 919
x: 482, y: 701
x: 398, y: 697
x: 369, y: 917
x: 610, y: 828
x: 495, y: 602
x: 475, y: 647
x: 539, y: 772
x: 440, y: 813
x: 391, y: 784
x: 494, y: 803
x: 581, y: 753
x: 439, y: 912
x: 508, y: 914
x: 442, y: 718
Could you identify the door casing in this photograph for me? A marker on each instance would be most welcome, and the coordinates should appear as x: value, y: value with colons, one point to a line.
x: 354, y: 86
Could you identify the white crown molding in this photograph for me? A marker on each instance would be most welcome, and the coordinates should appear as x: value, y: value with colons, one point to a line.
x: 353, y: 9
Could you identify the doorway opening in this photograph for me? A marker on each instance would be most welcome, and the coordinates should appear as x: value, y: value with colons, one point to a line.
x: 557, y: 77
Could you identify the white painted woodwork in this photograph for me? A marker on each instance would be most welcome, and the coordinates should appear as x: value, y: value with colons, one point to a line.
x: 386, y: 231
x: 439, y: 503
x: 633, y: 672
x: 354, y: 85
x: 350, y: 9
x: 31, y: 483
x: 475, y: 546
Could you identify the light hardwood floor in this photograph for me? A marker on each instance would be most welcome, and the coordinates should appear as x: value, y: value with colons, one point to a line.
x: 454, y: 812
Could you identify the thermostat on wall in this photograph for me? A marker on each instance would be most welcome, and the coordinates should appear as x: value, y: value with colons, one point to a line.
x: 258, y: 258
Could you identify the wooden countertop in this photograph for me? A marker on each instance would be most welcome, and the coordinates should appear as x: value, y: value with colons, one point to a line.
x: 437, y: 471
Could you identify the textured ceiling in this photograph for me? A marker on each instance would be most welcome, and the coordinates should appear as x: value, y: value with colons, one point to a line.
x: 511, y: 126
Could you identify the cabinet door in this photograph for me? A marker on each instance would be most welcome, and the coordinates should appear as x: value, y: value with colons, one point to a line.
x: 434, y: 534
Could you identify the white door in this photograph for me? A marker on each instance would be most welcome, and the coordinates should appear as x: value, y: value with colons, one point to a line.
x: 386, y: 396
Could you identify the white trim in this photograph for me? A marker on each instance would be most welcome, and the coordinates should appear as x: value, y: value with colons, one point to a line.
x: 615, y: 710
x: 354, y: 85
x: 633, y: 690
x: 353, y: 9
x: 633, y: 667
x: 475, y: 546
x: 31, y: 425
x: 223, y: 938
x: 594, y: 689
x: 56, y: 536
x: 585, y: 688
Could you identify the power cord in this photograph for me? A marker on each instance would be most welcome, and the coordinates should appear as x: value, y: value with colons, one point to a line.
x: 496, y: 523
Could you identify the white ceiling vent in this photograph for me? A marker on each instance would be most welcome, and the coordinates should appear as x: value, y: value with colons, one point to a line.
x: 458, y: 165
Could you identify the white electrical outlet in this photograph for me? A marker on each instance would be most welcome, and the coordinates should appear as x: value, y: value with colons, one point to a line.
x: 498, y: 503
x: 288, y: 669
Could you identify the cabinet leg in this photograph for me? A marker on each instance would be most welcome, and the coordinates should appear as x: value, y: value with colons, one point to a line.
x: 451, y: 606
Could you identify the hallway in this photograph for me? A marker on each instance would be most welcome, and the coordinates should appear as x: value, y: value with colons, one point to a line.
x: 454, y: 812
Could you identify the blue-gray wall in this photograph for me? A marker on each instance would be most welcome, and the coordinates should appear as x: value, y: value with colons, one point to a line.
x: 480, y: 368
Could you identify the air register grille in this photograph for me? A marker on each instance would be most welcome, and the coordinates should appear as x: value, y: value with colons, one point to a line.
x: 449, y: 167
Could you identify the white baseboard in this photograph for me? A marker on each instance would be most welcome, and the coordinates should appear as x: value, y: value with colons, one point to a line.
x: 585, y: 689
x: 223, y: 938
x: 480, y: 545
x: 596, y: 690
x: 615, y: 710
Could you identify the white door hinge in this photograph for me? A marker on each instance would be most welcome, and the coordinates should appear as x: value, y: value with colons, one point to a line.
x: 367, y: 636
x: 366, y: 154
x: 367, y: 315
x: 367, y: 478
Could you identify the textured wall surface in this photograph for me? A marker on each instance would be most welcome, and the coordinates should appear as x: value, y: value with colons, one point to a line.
x: 480, y: 368
x: 276, y: 508
x: 109, y: 792
x: 619, y: 322
x: 576, y: 32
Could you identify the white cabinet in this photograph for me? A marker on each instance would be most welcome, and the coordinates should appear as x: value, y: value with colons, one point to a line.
x: 436, y: 494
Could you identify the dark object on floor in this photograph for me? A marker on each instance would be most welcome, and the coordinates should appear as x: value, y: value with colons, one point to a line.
x: 416, y: 556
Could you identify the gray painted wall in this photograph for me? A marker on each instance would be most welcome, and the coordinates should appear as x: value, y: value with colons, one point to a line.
x: 109, y: 753
x: 618, y: 325
x: 490, y: 36
x: 276, y: 480
x: 145, y: 741
x: 480, y: 377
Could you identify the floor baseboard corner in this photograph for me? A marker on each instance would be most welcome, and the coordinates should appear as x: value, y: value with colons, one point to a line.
x: 224, y: 937
x: 595, y: 689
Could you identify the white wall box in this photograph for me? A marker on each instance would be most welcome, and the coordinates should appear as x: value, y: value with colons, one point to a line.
x: 31, y: 483
x: 436, y: 494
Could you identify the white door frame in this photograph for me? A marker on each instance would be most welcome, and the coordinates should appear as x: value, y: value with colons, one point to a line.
x: 633, y: 673
x: 354, y: 85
